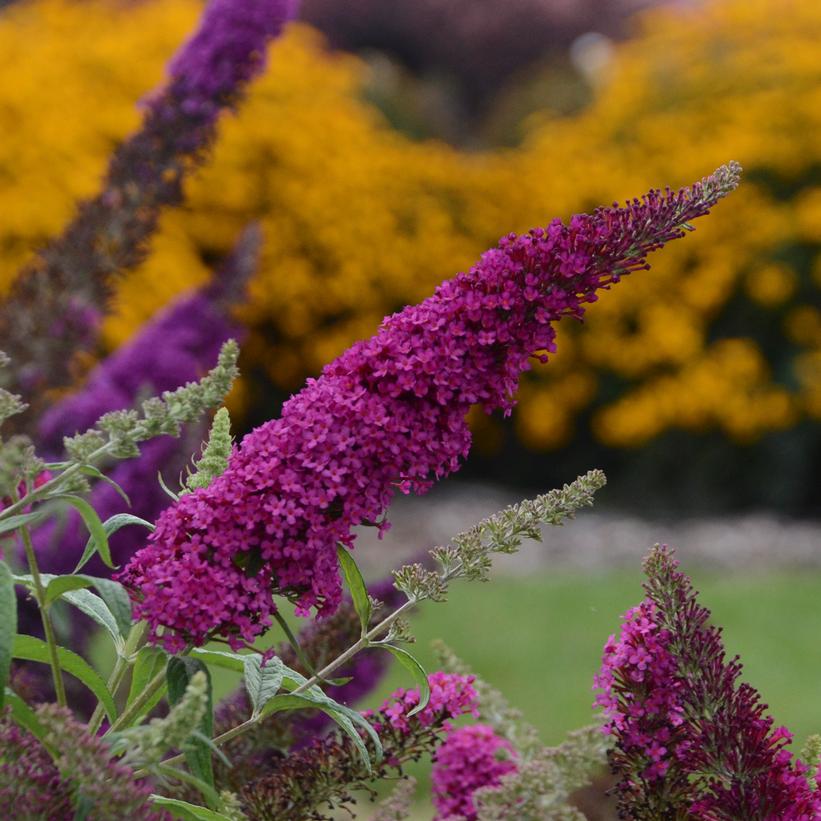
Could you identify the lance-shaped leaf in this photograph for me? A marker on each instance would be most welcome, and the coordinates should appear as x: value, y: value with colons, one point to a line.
x: 72, y: 589
x: 221, y: 658
x: 420, y: 677
x: 30, y: 648
x: 262, y: 681
x: 13, y: 522
x: 356, y: 584
x: 186, y: 811
x: 98, y: 538
x: 109, y: 526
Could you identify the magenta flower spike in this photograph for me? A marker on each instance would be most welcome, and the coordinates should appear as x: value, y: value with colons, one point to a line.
x: 470, y: 759
x: 387, y: 415
x: 690, y: 739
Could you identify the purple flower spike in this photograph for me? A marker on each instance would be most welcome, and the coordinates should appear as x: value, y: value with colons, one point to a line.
x: 226, y: 52
x: 389, y: 414
x: 72, y: 276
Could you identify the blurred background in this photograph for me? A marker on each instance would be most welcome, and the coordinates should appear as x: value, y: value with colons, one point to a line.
x: 387, y: 145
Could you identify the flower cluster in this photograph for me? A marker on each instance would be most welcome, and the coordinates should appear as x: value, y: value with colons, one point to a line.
x: 641, y: 694
x: 544, y: 778
x: 211, y: 70
x: 470, y: 758
x: 689, y: 737
x: 29, y: 781
x: 451, y: 695
x: 389, y: 413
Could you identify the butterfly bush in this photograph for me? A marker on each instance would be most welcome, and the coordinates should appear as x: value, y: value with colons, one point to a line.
x: 689, y: 736
x: 470, y: 758
x: 389, y: 414
x: 254, y: 754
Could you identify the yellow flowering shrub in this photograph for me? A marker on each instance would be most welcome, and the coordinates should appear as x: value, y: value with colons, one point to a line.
x: 724, y: 333
x: 359, y: 220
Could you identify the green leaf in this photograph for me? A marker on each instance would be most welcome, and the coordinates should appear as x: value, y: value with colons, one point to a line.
x: 13, y: 522
x: 90, y: 470
x: 94, y: 607
x: 150, y: 660
x: 34, y: 649
x: 117, y: 601
x: 178, y: 673
x: 262, y: 682
x: 111, y: 525
x: 189, y: 812
x: 99, y: 536
x: 410, y: 663
x: 71, y: 588
x: 344, y: 716
x: 219, y: 658
x: 8, y: 625
x: 289, y: 701
x: 62, y: 584
x: 24, y: 715
x: 356, y: 584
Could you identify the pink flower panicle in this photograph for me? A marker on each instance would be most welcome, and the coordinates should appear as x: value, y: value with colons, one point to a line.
x: 641, y: 695
x: 389, y: 413
x: 688, y: 736
x: 451, y: 696
x: 471, y: 758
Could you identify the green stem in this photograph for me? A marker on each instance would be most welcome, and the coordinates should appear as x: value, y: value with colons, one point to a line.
x: 41, y: 492
x: 133, y: 709
x: 121, y: 666
x: 48, y: 627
